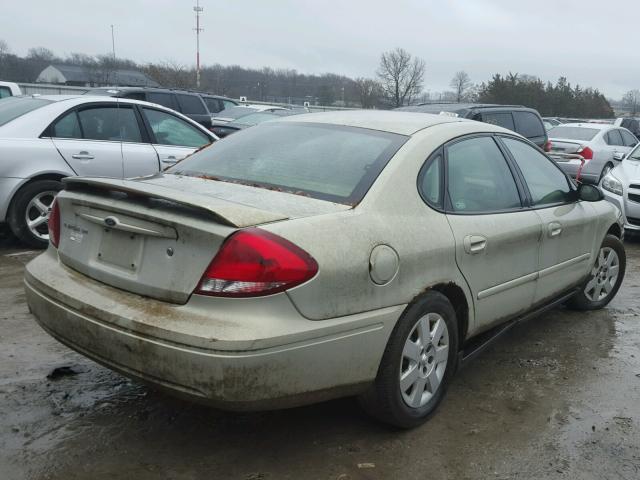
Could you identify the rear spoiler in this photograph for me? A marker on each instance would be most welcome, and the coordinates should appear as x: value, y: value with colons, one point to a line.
x: 224, y: 211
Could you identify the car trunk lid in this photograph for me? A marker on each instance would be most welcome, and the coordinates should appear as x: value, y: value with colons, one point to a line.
x: 156, y: 236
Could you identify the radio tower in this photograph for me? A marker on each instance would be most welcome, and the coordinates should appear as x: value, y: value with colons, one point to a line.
x: 198, y: 9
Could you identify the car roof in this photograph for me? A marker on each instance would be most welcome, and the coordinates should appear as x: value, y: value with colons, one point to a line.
x: 394, y: 121
x: 594, y: 126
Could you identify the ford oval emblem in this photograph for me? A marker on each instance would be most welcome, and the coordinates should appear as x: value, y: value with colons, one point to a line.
x: 110, y: 222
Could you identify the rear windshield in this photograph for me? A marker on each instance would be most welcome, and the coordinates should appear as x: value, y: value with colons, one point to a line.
x: 573, y: 133
x: 256, y: 118
x: 13, y: 107
x: 235, y: 112
x: 327, y: 162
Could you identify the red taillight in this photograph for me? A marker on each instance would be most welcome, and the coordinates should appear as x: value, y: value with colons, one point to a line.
x: 586, y: 153
x: 254, y: 262
x: 547, y: 146
x: 54, y: 224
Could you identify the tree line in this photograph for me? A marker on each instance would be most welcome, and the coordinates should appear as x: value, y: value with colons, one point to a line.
x: 398, y: 80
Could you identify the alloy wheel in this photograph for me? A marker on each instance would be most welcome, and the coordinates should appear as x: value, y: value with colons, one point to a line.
x: 424, y: 360
x: 604, y: 275
x: 37, y: 214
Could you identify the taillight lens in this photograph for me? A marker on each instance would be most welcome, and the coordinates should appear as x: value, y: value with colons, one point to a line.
x: 54, y: 224
x: 254, y: 262
x: 547, y: 146
x: 586, y: 153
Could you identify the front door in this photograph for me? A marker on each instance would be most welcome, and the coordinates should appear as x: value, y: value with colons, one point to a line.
x: 104, y: 140
x: 497, y: 240
x: 568, y: 226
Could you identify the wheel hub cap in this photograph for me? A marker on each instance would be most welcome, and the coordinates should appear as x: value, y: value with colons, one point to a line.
x: 604, y: 275
x: 37, y: 214
x: 424, y: 360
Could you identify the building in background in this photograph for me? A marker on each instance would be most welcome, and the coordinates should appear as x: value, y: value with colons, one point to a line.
x: 81, y: 76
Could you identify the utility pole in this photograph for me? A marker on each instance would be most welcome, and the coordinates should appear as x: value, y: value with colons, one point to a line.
x: 113, y: 43
x: 198, y: 9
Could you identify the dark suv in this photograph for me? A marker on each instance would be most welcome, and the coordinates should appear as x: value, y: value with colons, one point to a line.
x: 196, y: 106
x: 525, y: 121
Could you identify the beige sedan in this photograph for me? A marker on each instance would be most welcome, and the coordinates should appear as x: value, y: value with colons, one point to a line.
x: 323, y: 255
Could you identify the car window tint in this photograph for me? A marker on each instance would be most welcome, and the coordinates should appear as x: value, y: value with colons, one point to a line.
x: 228, y: 104
x: 191, y: 104
x: 528, y: 124
x: 547, y: 184
x: 134, y: 95
x: 479, y: 179
x: 164, y: 99
x: 110, y: 124
x: 504, y: 120
x: 67, y: 127
x: 613, y: 137
x: 628, y: 139
x: 5, y: 92
x: 429, y: 182
x: 171, y: 130
x: 213, y: 104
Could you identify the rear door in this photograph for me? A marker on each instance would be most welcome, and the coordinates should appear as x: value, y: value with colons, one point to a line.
x: 568, y: 226
x: 104, y: 140
x: 497, y: 239
x: 172, y: 137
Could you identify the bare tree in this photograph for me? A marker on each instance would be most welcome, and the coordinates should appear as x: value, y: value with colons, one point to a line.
x: 4, y: 48
x: 368, y: 91
x: 631, y: 99
x: 460, y: 84
x: 401, y: 76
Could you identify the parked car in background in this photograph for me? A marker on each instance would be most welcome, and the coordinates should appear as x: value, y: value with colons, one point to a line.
x: 621, y: 186
x: 188, y: 103
x: 231, y: 114
x: 251, y: 120
x: 45, y: 138
x: 216, y: 103
x: 9, y: 89
x: 553, y: 121
x: 321, y: 256
x: 630, y: 123
x: 525, y: 121
x: 591, y: 148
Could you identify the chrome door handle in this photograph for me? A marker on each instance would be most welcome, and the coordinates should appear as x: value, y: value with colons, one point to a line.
x: 83, y: 155
x: 170, y: 160
x: 474, y: 244
x: 554, y: 229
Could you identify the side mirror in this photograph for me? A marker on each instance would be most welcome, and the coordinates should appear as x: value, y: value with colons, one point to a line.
x: 619, y: 156
x: 589, y: 193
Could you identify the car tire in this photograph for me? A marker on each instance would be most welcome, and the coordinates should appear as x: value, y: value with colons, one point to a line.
x: 33, y: 201
x: 593, y: 292
x: 408, y: 403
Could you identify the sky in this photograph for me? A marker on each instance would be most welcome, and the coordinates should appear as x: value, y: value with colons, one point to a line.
x: 591, y: 42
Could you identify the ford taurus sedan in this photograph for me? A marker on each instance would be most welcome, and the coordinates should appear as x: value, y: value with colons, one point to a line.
x: 46, y: 138
x: 323, y: 255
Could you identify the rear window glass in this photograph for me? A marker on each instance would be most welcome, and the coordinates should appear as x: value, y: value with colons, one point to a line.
x: 235, y: 112
x: 14, y: 107
x: 504, y: 120
x: 528, y: 124
x: 256, y: 118
x: 327, y: 162
x: 573, y: 133
x: 191, y: 104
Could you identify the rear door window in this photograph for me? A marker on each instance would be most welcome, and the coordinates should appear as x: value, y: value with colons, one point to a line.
x: 164, y: 99
x: 613, y: 137
x: 113, y: 124
x: 479, y: 178
x: 171, y: 130
x: 504, y: 120
x: 528, y: 124
x: 213, y: 104
x: 191, y: 104
x: 628, y: 139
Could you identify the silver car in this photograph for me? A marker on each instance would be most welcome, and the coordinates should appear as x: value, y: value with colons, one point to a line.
x: 46, y: 138
x: 323, y: 255
x: 621, y: 186
x: 591, y: 149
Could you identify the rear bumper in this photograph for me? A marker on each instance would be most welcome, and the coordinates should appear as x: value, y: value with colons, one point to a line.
x: 571, y: 168
x: 216, y: 355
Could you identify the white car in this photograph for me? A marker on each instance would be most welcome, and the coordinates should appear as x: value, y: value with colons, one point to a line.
x: 621, y: 186
x: 597, y: 147
x: 46, y: 138
x: 9, y: 89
